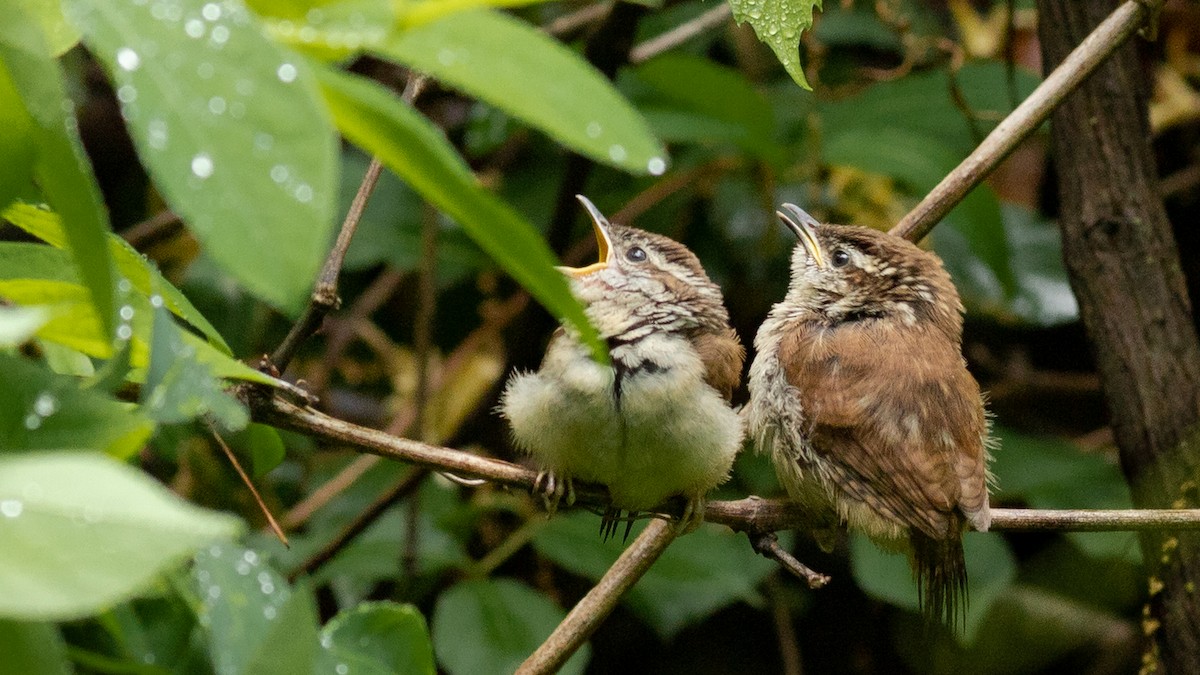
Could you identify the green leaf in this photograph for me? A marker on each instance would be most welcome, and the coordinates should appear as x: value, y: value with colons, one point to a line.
x: 58, y: 33
x: 17, y: 150
x: 1048, y: 473
x: 506, y: 622
x: 684, y: 85
x: 179, y: 387
x: 33, y: 648
x: 40, y: 410
x: 779, y: 23
x: 230, y: 128
x: 378, y: 638
x: 133, y: 267
x: 991, y: 570
x: 82, y: 531
x: 260, y: 445
x: 514, y: 66
x: 254, y: 620
x: 19, y: 324
x: 60, y: 167
x: 408, y: 144
x: 699, y: 574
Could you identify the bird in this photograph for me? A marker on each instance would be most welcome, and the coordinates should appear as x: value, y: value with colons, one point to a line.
x: 655, y: 422
x: 860, y: 395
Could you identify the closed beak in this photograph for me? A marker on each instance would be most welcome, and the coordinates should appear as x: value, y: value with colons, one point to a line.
x: 804, y: 225
x: 600, y: 225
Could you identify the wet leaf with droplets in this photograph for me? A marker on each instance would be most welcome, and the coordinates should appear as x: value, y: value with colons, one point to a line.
x: 140, y: 272
x: 40, y: 410
x: 212, y: 106
x: 514, y: 66
x: 82, y: 532
x: 255, y: 621
x: 779, y: 23
x: 410, y: 145
x: 378, y: 638
x: 61, y: 169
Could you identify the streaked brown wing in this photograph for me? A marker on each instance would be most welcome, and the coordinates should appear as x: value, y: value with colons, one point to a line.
x: 892, y: 408
x: 722, y: 354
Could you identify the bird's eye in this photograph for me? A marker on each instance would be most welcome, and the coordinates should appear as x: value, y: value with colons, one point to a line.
x: 840, y: 258
x: 635, y: 254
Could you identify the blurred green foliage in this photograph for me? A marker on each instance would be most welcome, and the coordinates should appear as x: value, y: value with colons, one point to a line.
x: 116, y: 351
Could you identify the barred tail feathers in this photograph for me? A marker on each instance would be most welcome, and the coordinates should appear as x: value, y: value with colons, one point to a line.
x: 941, y: 571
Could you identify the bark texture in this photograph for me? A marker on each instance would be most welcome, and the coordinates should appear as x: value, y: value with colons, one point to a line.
x: 1125, y: 270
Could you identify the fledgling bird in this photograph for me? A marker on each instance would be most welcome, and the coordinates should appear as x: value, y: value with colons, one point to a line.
x: 657, y: 421
x: 860, y: 393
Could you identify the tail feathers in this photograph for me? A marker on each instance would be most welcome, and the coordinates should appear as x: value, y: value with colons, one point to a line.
x: 941, y: 571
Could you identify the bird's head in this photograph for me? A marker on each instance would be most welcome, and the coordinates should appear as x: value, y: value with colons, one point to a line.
x: 843, y: 273
x: 643, y: 277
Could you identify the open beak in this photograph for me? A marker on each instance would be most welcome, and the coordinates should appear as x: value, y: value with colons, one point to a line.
x: 600, y: 225
x: 804, y: 226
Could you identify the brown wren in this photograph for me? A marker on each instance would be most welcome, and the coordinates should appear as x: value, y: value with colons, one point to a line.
x: 860, y: 393
x: 657, y: 421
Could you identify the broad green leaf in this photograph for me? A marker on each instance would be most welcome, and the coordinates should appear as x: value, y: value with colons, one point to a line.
x: 991, y: 570
x: 82, y: 531
x: 260, y: 446
x: 408, y: 144
x: 66, y: 361
x: 684, y: 85
x: 924, y: 103
x: 179, y: 387
x: 17, y: 150
x: 378, y: 638
x: 231, y: 130
x: 73, y: 322
x: 133, y: 267
x: 19, y: 324
x: 60, y: 35
x: 506, y: 622
x: 700, y: 573
x: 779, y: 23
x: 33, y: 648
x: 40, y: 410
x: 254, y: 620
x: 60, y: 166
x: 512, y: 65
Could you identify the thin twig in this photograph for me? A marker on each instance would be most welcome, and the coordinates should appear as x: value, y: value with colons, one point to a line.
x: 785, y: 628
x: 680, y: 34
x: 599, y: 602
x: 304, y: 509
x: 767, y: 545
x: 1095, y: 48
x: 325, y: 295
x: 569, y: 23
x: 752, y: 514
x: 153, y: 229
x: 237, y: 466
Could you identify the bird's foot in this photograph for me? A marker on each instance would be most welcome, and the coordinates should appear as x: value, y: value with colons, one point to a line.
x: 554, y: 489
x: 693, y: 515
x: 612, y: 518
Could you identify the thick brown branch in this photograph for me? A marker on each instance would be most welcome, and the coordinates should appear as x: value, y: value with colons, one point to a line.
x: 591, y: 611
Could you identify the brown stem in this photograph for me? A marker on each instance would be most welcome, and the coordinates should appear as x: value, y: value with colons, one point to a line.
x: 767, y: 545
x: 599, y: 602
x: 325, y: 296
x: 752, y: 514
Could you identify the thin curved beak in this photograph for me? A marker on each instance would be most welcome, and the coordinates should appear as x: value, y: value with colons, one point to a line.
x: 804, y: 225
x: 600, y: 226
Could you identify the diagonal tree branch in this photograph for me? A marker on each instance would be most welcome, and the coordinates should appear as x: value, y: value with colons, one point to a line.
x: 1028, y: 116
